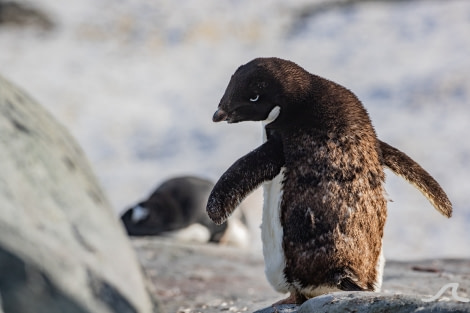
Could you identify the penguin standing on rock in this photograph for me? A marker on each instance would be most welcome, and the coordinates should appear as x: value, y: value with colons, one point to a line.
x: 322, y: 166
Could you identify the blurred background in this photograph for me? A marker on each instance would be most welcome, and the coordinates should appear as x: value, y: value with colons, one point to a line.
x: 137, y: 81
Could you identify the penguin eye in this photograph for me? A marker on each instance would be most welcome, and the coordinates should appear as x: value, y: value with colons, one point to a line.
x: 254, y: 99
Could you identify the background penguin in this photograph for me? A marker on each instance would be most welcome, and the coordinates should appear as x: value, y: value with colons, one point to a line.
x: 177, y: 209
x: 325, y: 205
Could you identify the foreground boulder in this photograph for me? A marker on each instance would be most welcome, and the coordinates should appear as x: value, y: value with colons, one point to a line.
x: 61, y: 247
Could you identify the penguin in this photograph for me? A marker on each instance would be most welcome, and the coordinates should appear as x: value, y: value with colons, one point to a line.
x: 177, y: 209
x: 322, y: 169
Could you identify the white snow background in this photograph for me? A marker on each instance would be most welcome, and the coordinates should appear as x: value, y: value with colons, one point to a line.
x: 137, y: 82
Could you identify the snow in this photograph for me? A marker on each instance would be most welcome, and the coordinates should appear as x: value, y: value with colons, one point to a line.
x: 136, y: 82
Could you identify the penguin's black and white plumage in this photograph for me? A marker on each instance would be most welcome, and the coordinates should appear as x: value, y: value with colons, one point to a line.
x: 322, y: 168
x: 177, y: 208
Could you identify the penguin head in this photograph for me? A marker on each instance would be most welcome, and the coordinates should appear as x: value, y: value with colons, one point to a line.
x: 257, y: 91
x: 285, y: 96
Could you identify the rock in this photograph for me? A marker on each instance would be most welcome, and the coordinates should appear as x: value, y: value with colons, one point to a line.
x: 195, y: 277
x: 377, y: 302
x: 20, y: 15
x: 408, y: 287
x: 210, y: 278
x: 283, y: 308
x: 61, y: 247
x: 362, y: 302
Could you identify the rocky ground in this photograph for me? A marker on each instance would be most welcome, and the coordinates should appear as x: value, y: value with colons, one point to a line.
x: 204, y: 277
x: 210, y: 278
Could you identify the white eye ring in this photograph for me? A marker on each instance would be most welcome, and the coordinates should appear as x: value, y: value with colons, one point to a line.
x: 254, y: 99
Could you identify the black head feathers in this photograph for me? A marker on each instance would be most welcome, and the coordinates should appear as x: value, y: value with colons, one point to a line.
x: 268, y: 89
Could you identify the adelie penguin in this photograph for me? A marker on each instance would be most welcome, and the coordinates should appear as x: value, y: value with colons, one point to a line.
x: 322, y: 166
x: 177, y: 209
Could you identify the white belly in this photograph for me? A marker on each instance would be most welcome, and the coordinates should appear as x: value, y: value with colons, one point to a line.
x: 271, y: 229
x: 272, y: 233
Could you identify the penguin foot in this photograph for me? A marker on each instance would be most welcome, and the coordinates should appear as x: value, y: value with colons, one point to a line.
x: 293, y: 298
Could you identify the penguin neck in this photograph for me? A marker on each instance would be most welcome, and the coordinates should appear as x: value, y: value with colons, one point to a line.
x: 309, y: 118
x: 272, y: 116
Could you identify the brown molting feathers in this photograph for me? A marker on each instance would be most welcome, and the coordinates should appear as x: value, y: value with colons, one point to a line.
x: 322, y: 169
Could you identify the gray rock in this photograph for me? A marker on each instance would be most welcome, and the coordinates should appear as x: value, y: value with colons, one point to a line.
x: 19, y: 15
x: 369, y: 302
x: 210, y: 278
x: 283, y: 308
x: 378, y: 302
x: 61, y: 247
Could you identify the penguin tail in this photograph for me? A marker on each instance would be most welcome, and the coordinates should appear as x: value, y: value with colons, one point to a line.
x: 348, y: 284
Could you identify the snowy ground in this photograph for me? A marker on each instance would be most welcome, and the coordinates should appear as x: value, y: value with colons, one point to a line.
x: 137, y: 82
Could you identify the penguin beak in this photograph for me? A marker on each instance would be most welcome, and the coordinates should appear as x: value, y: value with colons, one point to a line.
x: 219, y: 116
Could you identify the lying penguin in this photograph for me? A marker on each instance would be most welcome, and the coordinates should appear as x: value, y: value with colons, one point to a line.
x: 322, y: 166
x: 177, y: 209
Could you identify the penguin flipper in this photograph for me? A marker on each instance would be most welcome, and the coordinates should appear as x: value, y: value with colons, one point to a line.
x: 405, y: 167
x: 244, y: 176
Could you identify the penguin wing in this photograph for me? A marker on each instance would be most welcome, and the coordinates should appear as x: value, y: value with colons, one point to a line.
x: 405, y: 167
x: 244, y: 176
